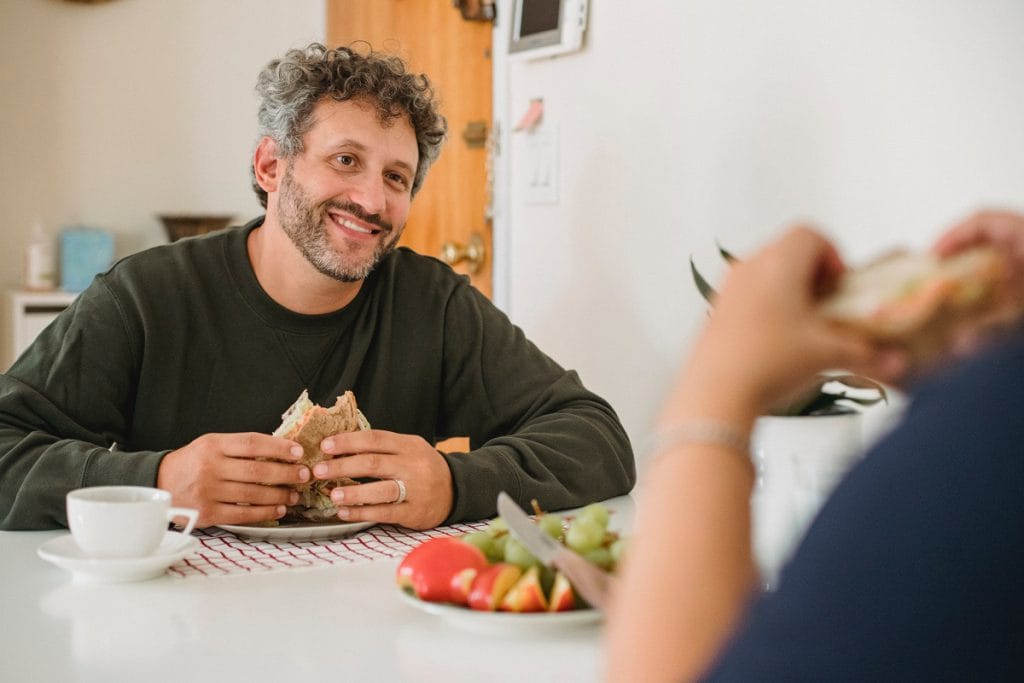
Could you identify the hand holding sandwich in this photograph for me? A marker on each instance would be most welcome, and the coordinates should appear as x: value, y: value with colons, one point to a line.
x: 406, y: 481
x: 1004, y: 232
x: 226, y: 477
x: 388, y: 457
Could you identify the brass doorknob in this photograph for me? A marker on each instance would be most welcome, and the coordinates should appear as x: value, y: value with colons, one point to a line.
x: 473, y: 253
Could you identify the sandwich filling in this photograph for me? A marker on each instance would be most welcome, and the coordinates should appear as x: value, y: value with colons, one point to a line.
x: 908, y: 297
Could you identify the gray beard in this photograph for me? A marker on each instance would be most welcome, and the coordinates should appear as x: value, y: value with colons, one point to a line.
x: 304, y: 223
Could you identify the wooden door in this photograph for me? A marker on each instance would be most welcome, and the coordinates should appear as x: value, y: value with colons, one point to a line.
x: 434, y: 39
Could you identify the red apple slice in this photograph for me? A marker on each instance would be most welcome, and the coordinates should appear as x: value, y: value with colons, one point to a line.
x: 563, y: 598
x: 492, y: 584
x: 526, y: 595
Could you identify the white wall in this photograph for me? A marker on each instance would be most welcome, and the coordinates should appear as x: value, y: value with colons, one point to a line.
x: 114, y: 112
x: 687, y: 121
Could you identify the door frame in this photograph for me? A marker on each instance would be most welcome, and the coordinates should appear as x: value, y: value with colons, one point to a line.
x: 500, y: 169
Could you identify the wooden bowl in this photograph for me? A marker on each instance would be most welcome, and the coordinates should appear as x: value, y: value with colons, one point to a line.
x: 179, y: 226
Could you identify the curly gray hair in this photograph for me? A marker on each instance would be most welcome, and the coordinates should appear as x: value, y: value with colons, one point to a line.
x: 290, y: 87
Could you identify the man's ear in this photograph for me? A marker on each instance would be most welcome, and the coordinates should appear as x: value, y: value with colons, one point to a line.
x: 267, y: 164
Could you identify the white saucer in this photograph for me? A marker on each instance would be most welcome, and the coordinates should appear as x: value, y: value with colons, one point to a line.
x: 66, y: 554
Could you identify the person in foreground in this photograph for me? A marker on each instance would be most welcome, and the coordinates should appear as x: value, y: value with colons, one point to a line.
x: 173, y: 368
x: 914, y: 568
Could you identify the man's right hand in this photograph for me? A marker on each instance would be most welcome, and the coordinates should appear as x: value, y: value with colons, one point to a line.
x: 234, y: 478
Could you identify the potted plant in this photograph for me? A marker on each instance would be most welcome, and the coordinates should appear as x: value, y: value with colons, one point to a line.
x: 800, y: 452
x: 835, y: 393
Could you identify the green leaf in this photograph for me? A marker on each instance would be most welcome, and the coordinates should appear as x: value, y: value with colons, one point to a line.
x: 812, y: 399
x: 861, y: 382
x: 864, y: 401
x: 729, y: 258
x: 816, y: 401
x: 705, y: 289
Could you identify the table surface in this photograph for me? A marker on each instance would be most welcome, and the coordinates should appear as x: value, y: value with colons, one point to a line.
x: 337, y: 623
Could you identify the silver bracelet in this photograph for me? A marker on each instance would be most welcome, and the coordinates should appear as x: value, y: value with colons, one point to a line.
x: 709, y: 432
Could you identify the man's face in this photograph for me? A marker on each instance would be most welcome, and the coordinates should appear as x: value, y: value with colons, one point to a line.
x: 345, y: 198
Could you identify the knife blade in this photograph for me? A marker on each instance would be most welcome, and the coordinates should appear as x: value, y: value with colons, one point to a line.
x: 592, y: 583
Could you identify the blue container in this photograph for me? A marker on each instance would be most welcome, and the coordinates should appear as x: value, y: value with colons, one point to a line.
x: 84, y: 252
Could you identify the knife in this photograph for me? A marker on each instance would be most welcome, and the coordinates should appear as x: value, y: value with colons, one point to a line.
x: 592, y: 583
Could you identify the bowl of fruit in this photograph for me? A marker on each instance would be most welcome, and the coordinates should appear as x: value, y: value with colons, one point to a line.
x: 488, y: 577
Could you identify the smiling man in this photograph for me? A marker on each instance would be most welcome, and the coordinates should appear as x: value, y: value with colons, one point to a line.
x: 174, y: 367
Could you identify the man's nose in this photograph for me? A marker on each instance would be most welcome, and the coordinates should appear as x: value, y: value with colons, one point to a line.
x: 369, y: 194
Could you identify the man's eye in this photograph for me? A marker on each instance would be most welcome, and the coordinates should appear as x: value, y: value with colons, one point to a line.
x: 398, y: 179
x: 345, y: 159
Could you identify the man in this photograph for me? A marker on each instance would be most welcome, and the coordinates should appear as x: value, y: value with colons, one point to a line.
x: 173, y: 368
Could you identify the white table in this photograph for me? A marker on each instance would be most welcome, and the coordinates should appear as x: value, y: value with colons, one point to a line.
x: 342, y: 623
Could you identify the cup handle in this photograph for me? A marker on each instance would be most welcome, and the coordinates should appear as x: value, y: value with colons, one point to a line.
x: 192, y: 514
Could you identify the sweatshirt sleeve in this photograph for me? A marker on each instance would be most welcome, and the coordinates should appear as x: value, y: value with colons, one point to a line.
x: 63, y: 404
x: 535, y: 430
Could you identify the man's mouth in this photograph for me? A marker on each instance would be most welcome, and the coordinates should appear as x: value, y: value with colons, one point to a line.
x: 355, y: 228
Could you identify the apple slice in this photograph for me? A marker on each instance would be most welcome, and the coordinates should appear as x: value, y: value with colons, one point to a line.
x: 441, y: 570
x: 491, y: 585
x: 526, y: 595
x: 563, y: 597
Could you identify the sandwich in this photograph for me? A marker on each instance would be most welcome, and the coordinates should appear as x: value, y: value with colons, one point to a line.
x: 916, y: 300
x: 308, y: 424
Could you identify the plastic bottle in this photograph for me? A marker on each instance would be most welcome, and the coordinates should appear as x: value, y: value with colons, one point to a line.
x: 40, y: 264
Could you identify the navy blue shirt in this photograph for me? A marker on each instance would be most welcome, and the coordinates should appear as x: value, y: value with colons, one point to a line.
x: 914, y: 569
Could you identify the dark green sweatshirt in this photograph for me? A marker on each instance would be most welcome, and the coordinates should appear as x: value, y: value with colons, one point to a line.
x: 181, y: 340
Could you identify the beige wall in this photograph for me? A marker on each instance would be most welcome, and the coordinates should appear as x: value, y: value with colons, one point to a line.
x: 114, y: 112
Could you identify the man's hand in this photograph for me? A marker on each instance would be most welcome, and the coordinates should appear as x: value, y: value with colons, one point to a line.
x: 234, y: 478
x: 388, y: 456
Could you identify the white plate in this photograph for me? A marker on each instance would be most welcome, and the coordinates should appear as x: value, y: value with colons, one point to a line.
x: 504, y: 622
x: 305, y: 531
x: 65, y: 553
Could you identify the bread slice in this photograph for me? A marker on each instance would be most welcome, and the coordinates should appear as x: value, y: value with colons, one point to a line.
x: 916, y: 300
x: 308, y: 424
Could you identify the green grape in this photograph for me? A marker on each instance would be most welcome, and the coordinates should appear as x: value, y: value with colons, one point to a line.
x: 584, y: 535
x: 496, y: 527
x: 595, y: 512
x: 551, y: 525
x: 480, y: 539
x: 618, y: 549
x: 497, y: 552
x: 517, y: 554
x: 600, y: 556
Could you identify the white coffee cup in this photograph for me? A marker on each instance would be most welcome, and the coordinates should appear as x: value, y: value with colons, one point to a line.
x: 122, y: 521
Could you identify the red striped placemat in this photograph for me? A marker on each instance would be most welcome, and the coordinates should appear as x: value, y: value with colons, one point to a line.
x: 221, y: 553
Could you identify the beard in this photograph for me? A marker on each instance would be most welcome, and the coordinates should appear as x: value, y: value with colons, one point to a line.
x: 304, y: 222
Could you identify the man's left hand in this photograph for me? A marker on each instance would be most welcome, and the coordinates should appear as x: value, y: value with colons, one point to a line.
x: 390, y: 458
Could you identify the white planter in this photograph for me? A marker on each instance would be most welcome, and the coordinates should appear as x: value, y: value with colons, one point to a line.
x: 798, y: 461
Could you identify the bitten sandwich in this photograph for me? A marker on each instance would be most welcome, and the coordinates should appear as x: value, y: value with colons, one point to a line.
x: 916, y: 300
x: 308, y: 424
